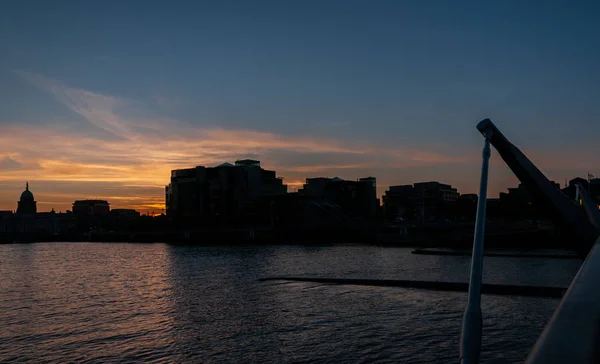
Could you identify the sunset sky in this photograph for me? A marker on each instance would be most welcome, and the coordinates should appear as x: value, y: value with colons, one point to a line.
x: 102, y: 99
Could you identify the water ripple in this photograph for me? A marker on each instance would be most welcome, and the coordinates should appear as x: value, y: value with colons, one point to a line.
x: 153, y: 303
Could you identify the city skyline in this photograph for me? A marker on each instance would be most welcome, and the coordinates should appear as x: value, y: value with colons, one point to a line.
x: 161, y: 209
x: 349, y: 89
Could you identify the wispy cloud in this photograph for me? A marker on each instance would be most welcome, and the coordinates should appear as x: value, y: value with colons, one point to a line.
x: 9, y: 164
x: 144, y: 148
x: 96, y: 108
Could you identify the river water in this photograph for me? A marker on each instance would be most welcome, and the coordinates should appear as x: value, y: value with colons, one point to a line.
x: 105, y: 303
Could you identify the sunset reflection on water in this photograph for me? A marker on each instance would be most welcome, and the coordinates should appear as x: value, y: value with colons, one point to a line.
x: 101, y: 302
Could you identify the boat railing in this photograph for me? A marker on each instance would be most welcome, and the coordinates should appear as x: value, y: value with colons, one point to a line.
x: 470, y: 341
x: 573, y: 333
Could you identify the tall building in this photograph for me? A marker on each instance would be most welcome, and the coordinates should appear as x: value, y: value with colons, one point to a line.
x: 247, y: 163
x: 397, y: 204
x: 91, y: 207
x: 27, y: 204
x: 518, y: 204
x: 466, y: 207
x: 186, y: 195
x: 28, y: 224
x: 592, y: 185
x: 359, y: 198
x: 221, y: 193
x: 425, y: 201
x: 370, y: 184
x: 91, y: 214
x: 432, y: 199
x: 125, y: 213
x: 315, y: 187
x: 168, y: 197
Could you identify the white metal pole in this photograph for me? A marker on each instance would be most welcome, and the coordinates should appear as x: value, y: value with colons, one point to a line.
x: 470, y: 342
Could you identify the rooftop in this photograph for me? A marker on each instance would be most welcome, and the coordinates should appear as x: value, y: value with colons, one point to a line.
x: 91, y: 202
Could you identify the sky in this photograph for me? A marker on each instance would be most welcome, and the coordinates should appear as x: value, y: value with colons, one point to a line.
x: 101, y: 99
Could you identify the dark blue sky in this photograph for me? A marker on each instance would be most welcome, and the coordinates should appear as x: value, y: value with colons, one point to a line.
x: 413, y: 74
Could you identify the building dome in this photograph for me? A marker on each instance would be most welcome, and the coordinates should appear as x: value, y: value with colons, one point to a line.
x: 27, y: 195
x: 27, y: 204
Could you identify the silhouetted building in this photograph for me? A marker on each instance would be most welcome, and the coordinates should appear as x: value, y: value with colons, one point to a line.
x: 518, y: 194
x: 371, y: 201
x: 358, y: 198
x: 5, y: 213
x: 24, y: 221
x: 315, y: 187
x: 41, y: 224
x: 186, y: 195
x: 592, y: 186
x: 123, y: 219
x: 219, y: 194
x: 470, y: 197
x: 27, y: 204
x: 125, y: 213
x: 91, y: 207
x: 91, y: 214
x: 168, y: 197
x: 397, y: 204
x: 433, y: 200
x: 494, y: 210
x: 516, y: 204
x: 28, y: 224
x: 247, y: 163
x: 50, y: 222
x: 570, y: 190
x: 466, y: 207
x: 5, y: 220
x: 298, y: 210
x: 426, y: 201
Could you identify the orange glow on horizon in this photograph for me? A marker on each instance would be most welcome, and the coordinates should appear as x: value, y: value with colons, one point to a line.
x: 128, y: 160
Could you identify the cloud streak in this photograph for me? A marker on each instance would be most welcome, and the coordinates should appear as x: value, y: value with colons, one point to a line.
x: 142, y: 150
x: 9, y: 164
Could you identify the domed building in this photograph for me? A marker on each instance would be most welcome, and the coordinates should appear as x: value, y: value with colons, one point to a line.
x: 29, y: 225
x: 27, y: 204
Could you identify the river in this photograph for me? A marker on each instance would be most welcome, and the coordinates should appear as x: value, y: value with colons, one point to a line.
x: 108, y: 302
